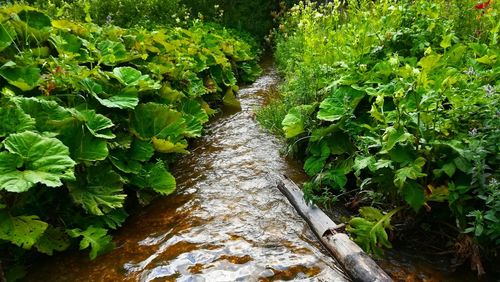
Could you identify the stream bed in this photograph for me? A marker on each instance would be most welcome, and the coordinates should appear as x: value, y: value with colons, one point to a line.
x: 226, y: 222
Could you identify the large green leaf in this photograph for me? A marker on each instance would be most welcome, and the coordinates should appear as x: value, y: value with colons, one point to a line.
x: 156, y: 177
x: 82, y: 144
x: 413, y: 194
x: 195, y: 109
x: 124, y: 99
x: 35, y: 19
x: 34, y: 159
x: 112, y: 53
x: 332, y: 109
x: 94, y: 237
x: 23, y: 231
x: 342, y: 102
x: 24, y: 78
x: 320, y: 151
x: 157, y: 120
x: 14, y: 120
x: 49, y: 115
x: 99, y: 190
x: 7, y: 35
x: 121, y: 160
x: 293, y: 123
x: 393, y: 136
x: 53, y: 239
x: 129, y: 76
x: 167, y: 146
x: 141, y: 150
x: 97, y: 124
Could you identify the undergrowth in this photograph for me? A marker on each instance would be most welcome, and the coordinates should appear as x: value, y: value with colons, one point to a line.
x: 394, y: 105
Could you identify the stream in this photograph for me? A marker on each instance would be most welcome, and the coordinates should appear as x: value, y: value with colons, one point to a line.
x: 226, y: 222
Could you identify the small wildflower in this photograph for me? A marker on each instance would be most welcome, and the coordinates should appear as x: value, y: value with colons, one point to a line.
x: 482, y: 6
x: 470, y: 72
x: 490, y: 90
x: 109, y: 19
x: 473, y: 132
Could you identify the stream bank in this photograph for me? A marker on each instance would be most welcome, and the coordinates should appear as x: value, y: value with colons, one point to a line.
x: 226, y: 222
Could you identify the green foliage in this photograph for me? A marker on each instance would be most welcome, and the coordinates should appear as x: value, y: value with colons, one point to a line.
x: 370, y: 229
x: 95, y: 238
x: 124, y: 13
x: 92, y: 116
x: 407, y: 99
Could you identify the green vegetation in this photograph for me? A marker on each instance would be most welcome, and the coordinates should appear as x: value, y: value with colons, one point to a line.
x: 253, y: 17
x: 395, y: 105
x: 92, y: 118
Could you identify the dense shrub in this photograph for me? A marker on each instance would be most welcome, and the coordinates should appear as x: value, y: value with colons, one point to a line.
x: 123, y: 13
x: 93, y: 116
x: 395, y: 105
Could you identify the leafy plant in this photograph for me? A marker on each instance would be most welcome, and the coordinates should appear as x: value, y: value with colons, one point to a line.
x: 394, y: 103
x: 370, y: 229
x: 93, y: 116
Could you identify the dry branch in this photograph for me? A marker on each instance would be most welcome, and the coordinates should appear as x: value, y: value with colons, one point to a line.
x: 353, y: 259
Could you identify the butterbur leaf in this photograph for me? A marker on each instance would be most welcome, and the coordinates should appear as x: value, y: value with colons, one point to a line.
x: 49, y: 115
x: 24, y: 78
x: 121, y: 160
x: 112, y: 52
x: 125, y: 99
x: 82, y: 144
x: 167, y: 146
x: 23, y: 231
x: 195, y: 109
x: 342, y: 102
x: 129, y: 76
x: 331, y: 109
x: 230, y: 100
x: 94, y: 237
x: 335, y: 178
x: 156, y: 177
x: 293, y: 123
x: 114, y: 218
x: 99, y: 190
x: 141, y: 150
x: 34, y: 159
x: 53, y: 239
x: 7, y: 35
x: 194, y: 127
x: 156, y: 120
x: 316, y: 162
x: 35, y: 19
x: 97, y: 124
x: 14, y: 120
x: 414, y: 195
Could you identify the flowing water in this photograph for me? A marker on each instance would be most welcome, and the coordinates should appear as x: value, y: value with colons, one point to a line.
x: 225, y: 223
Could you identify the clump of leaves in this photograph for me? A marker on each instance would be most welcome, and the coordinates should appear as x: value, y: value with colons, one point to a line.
x: 398, y: 100
x: 93, y: 115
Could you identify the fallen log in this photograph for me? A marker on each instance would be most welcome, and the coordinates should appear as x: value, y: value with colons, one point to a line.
x: 353, y: 259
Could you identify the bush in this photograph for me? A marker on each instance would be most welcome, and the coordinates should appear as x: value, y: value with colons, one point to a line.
x: 395, y: 102
x: 92, y: 118
x: 123, y: 13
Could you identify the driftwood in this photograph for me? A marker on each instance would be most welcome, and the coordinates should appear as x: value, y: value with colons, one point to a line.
x: 353, y: 259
